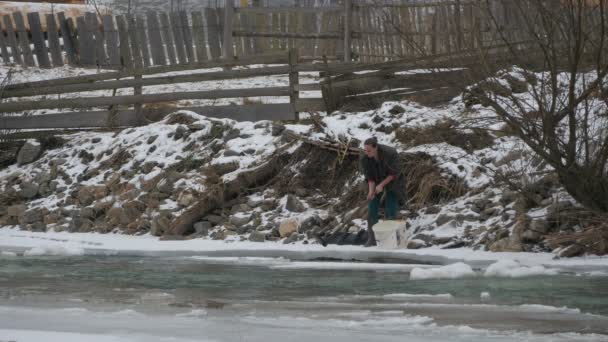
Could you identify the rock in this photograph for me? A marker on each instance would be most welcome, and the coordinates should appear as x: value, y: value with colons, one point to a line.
x: 218, y: 235
x: 28, y: 190
x: 117, y: 216
x: 88, y: 194
x: 16, y: 210
x: 38, y: 226
x: 215, y: 219
x: 572, y: 251
x: 505, y: 245
x: 294, y: 205
x: 29, y: 152
x: 396, y: 110
x: 443, y: 219
x: 224, y: 168
x: 233, y: 133
x: 165, y: 186
x: 160, y: 225
x: 277, y: 129
x: 489, y: 211
x: 197, y: 126
x: 240, y: 220
x: 539, y: 225
x: 255, y: 202
x: 415, y: 244
x: 80, y: 225
x: 288, y: 226
x: 531, y: 236
x: 185, y: 198
x: 441, y: 240
x: 202, y: 227
x: 291, y: 239
x: 181, y: 131
x: 433, y: 210
x: 256, y: 236
x: 310, y: 223
x: 33, y: 215
x: 231, y: 153
x: 240, y: 208
x: 133, y: 209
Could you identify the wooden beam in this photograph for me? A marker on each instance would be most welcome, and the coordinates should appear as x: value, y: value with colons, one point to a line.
x: 273, y: 58
x: 123, y: 118
x: 288, y: 9
x: 227, y: 47
x: 89, y: 102
x: 288, y: 35
x: 105, y: 85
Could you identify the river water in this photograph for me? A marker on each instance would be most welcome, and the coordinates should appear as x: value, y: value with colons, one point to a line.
x: 127, y: 298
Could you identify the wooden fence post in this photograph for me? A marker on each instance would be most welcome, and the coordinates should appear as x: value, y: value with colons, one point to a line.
x: 348, y: 9
x: 228, y: 52
x: 293, y: 81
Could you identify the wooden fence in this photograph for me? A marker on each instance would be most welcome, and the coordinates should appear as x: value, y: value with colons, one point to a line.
x: 127, y: 110
x: 352, y: 31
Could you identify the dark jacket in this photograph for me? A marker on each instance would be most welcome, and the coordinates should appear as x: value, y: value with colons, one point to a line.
x: 388, y: 163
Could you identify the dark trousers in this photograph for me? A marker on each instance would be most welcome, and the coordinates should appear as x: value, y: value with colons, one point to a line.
x: 390, y: 207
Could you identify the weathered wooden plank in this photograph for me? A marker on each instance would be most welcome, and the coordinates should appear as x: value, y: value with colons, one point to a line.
x: 187, y: 34
x: 248, y: 25
x: 53, y: 39
x: 135, y: 44
x: 125, y: 47
x: 294, y: 79
x: 261, y: 23
x: 150, y: 81
x: 292, y: 35
x: 168, y: 37
x: 227, y: 43
x: 12, y: 40
x: 126, y: 118
x: 6, y: 58
x: 28, y: 58
x: 198, y: 31
x: 274, y: 58
x: 213, y: 32
x: 40, y: 49
x: 283, y: 24
x: 156, y: 42
x: 86, y: 42
x: 100, y: 46
x: 89, y: 102
x: 348, y: 12
x: 68, y: 39
x: 239, y: 48
x: 289, y: 9
x: 111, y: 38
x: 179, y: 38
x: 143, y: 40
x: 276, y: 43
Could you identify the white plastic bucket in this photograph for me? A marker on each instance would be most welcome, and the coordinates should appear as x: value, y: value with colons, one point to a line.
x: 391, y: 234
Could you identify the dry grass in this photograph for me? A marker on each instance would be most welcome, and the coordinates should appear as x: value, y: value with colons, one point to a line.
x: 445, y: 131
x: 424, y: 183
x: 250, y: 101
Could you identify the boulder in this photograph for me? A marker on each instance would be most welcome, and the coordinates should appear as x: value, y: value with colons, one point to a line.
x: 294, y: 205
x: 215, y: 219
x: 80, y: 224
x: 88, y: 194
x: 160, y: 225
x: 415, y: 244
x: 539, y: 225
x: 288, y: 226
x: 28, y: 190
x: 291, y: 239
x: 256, y: 236
x: 531, y: 236
x: 240, y: 220
x: 443, y: 219
x: 16, y: 210
x: 29, y: 152
x: 202, y: 227
x: 133, y: 209
x: 572, y: 251
x: 33, y: 215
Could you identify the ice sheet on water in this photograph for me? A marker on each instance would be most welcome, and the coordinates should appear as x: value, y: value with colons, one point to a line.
x: 452, y: 271
x: 65, y: 250
x: 513, y: 269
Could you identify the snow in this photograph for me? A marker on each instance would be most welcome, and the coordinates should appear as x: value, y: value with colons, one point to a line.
x: 453, y: 271
x: 16, y: 241
x: 513, y: 269
x: 66, y: 250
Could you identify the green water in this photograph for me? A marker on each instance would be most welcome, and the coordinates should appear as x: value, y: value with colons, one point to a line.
x: 123, y: 279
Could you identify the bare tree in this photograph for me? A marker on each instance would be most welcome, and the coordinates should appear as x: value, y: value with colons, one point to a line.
x: 555, y: 98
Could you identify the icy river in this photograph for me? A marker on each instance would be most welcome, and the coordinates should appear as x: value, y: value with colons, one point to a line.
x: 244, y: 298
